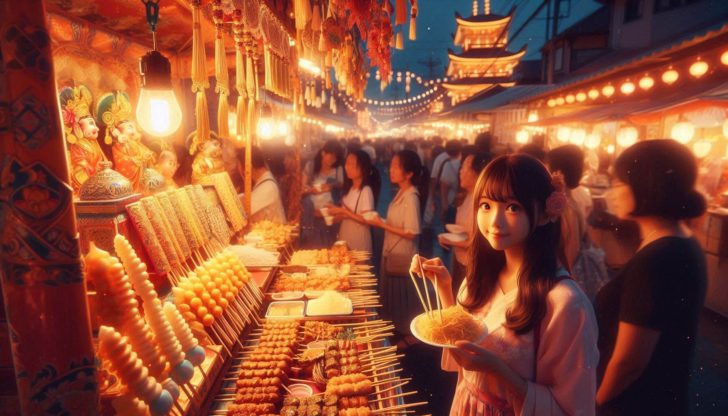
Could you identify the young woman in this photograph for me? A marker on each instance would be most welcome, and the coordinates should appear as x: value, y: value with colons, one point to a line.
x: 401, y: 234
x: 539, y: 354
x: 361, y: 191
x: 322, y: 184
x: 648, y: 315
x: 472, y: 165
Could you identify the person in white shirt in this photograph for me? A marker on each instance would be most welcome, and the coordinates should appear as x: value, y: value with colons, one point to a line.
x: 369, y: 148
x: 361, y: 188
x: 444, y: 182
x: 265, y: 201
x: 470, y: 170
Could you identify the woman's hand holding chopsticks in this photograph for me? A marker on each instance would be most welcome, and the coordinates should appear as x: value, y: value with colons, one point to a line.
x: 434, y: 270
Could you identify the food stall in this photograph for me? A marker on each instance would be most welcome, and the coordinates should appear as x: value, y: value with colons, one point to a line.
x: 133, y: 282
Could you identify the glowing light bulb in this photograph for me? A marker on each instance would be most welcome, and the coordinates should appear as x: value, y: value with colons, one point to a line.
x: 627, y: 136
x: 698, y: 69
x: 522, y: 137
x: 627, y: 88
x: 266, y: 129
x: 670, y: 76
x: 551, y: 102
x: 158, y: 112
x: 724, y: 58
x: 560, y: 101
x: 570, y: 98
x: 647, y: 82
x: 593, y: 93
x: 608, y: 90
x: 581, y: 97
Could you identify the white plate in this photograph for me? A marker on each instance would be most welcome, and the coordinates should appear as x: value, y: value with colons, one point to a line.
x: 288, y: 295
x: 456, y: 238
x: 455, y: 228
x: 413, y: 328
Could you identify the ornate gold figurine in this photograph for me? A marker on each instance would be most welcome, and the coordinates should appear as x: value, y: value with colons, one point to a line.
x: 130, y: 155
x: 81, y: 133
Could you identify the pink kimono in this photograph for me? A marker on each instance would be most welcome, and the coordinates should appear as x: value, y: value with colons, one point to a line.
x: 567, y: 360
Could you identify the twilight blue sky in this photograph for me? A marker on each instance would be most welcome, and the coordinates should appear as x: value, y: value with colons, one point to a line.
x: 436, y: 22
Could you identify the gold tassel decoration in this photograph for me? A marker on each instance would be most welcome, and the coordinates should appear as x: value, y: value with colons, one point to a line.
x: 413, y: 21
x: 222, y: 85
x: 400, y: 40
x: 240, y: 79
x: 199, y: 80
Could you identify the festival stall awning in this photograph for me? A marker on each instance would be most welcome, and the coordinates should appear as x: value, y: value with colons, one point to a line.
x: 648, y: 110
x: 495, y: 99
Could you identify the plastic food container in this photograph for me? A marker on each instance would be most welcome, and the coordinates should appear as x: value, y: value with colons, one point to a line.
x: 286, y: 309
x: 288, y: 295
x: 300, y: 390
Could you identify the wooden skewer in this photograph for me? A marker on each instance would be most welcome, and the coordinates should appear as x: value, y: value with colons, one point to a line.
x: 396, y: 396
x: 390, y: 380
x: 398, y: 407
x: 424, y: 281
x: 395, y: 371
x: 396, y: 386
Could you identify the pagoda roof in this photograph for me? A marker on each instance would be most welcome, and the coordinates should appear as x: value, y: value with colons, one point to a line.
x: 474, y: 81
x: 476, y: 54
x: 484, y: 20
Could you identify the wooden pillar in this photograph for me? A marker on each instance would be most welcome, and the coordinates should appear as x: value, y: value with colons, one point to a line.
x: 42, y: 280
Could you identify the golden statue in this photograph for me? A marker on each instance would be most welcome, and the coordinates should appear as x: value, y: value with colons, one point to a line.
x: 81, y: 134
x: 208, y: 160
x: 130, y: 155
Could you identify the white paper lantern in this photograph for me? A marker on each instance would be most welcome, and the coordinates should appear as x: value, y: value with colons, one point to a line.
x: 627, y: 136
x: 593, y: 140
x: 647, y: 82
x: 683, y: 132
x: 577, y: 137
x: 522, y: 137
x: 563, y: 134
x: 701, y: 148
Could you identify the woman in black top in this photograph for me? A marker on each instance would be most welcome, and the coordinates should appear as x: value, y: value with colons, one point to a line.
x: 648, y: 315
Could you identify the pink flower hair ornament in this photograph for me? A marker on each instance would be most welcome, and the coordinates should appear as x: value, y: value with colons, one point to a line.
x: 556, y: 202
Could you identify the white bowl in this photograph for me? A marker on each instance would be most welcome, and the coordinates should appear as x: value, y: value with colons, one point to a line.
x: 456, y: 238
x: 300, y: 390
x: 455, y: 228
x: 313, y: 294
x: 370, y: 215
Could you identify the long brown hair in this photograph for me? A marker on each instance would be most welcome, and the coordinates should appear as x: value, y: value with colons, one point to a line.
x: 525, y: 179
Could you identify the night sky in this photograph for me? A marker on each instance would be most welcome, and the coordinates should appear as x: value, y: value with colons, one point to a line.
x: 436, y: 23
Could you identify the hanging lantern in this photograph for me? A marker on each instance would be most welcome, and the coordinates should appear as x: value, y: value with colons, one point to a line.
x: 570, y: 98
x: 724, y: 58
x: 522, y: 137
x: 627, y: 136
x: 593, y: 93
x: 563, y: 134
x: 699, y: 68
x: 560, y: 101
x: 670, y: 76
x: 592, y: 140
x: 577, y: 137
x: 683, y: 132
x: 610, y: 149
x: 532, y: 117
x: 702, y: 148
x: 608, y: 90
x: 627, y: 88
x: 581, y: 97
x: 647, y: 82
x: 551, y: 102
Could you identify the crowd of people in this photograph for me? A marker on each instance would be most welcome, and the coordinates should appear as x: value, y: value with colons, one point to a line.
x: 565, y: 335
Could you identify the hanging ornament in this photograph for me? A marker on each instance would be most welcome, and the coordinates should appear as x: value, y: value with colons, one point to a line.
x: 199, y: 81
x: 400, y: 41
x: 240, y: 78
x: 413, y: 20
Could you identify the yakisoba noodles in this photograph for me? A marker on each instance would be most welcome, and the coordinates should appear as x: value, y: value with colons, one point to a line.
x: 456, y: 325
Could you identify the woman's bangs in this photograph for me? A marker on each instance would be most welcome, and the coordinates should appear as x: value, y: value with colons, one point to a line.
x: 496, y: 184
